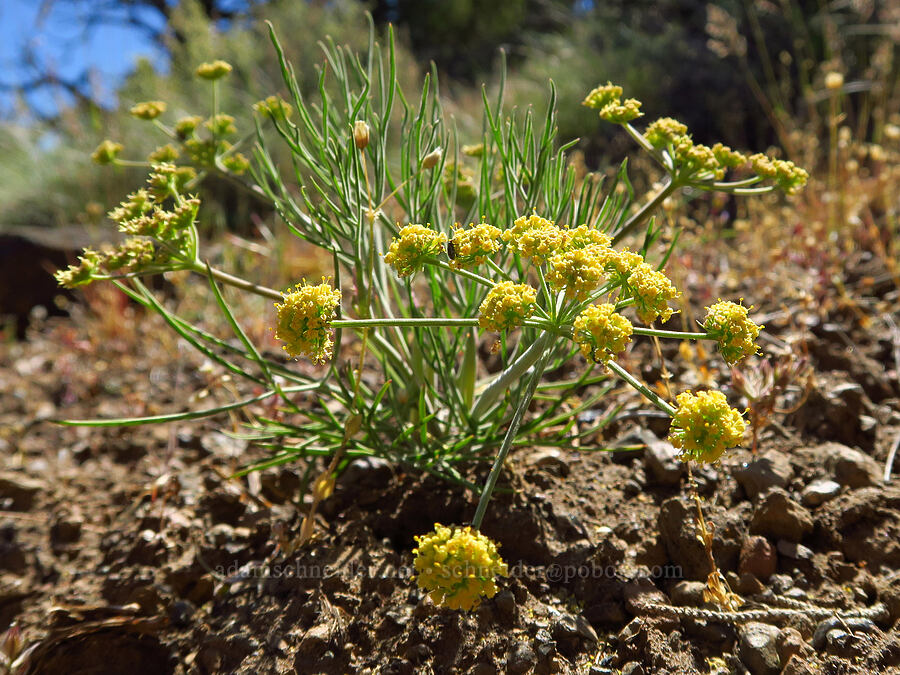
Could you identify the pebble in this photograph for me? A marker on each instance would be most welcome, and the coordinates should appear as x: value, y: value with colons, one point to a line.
x: 757, y: 558
x: 367, y: 472
x: 633, y: 668
x: 521, y: 659
x: 790, y: 642
x: 763, y: 473
x: 687, y: 593
x: 794, y: 550
x: 661, y: 462
x: 854, y: 625
x: 820, y: 491
x: 777, y: 515
x: 549, y: 459
x: 758, y: 648
x: 505, y: 603
x: 18, y: 492
x: 851, y: 467
x: 678, y: 528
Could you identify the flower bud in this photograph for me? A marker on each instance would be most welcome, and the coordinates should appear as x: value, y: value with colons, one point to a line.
x: 213, y: 70
x: 432, y: 158
x: 834, y: 81
x: 361, y: 134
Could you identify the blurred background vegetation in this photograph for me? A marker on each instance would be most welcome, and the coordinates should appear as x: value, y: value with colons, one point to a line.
x: 749, y: 73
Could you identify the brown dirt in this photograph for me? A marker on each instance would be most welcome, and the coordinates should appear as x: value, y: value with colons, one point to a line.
x: 130, y: 550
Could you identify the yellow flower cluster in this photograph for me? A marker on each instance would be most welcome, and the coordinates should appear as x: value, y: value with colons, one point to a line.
x: 730, y: 159
x: 704, y: 426
x: 607, y: 99
x: 304, y: 320
x: 148, y: 110
x: 221, y: 124
x: 787, y: 176
x: 621, y: 112
x: 213, y: 70
x: 602, y: 95
x: 535, y: 237
x: 579, y: 271
x: 729, y: 324
x: 662, y: 132
x: 506, y: 306
x: 106, y: 152
x: 471, y: 246
x: 582, y: 236
x: 274, y: 107
x: 130, y: 255
x: 167, y: 153
x: 186, y: 126
x: 622, y: 263
x: 601, y: 332
x: 412, y: 247
x: 651, y: 291
x: 457, y: 566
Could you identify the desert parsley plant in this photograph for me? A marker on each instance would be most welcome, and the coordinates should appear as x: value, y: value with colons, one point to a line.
x: 435, y: 241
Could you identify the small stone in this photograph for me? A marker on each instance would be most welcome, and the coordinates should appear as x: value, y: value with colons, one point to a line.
x: 505, y: 601
x: 632, y: 488
x: 757, y: 558
x: 661, y: 462
x: 521, y: 660
x: 18, y: 492
x: 758, y: 648
x: 418, y: 653
x: 549, y: 459
x: 781, y: 583
x: 632, y: 668
x: 772, y: 469
x: 799, y: 665
x: 66, y: 530
x: 687, y: 593
x: 777, y: 515
x: 794, y: 550
x: 828, y: 626
x: 748, y: 584
x: 315, y: 641
x: 678, y: 529
x: 790, y: 643
x: 820, y: 491
x: 851, y: 467
x: 367, y: 472
x: 483, y: 669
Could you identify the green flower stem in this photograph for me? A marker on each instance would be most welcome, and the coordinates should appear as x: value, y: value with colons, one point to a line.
x: 654, y: 398
x: 638, y: 218
x: 527, y: 395
x: 514, y: 372
x: 676, y: 334
x: 237, y: 282
x: 499, y: 270
x: 131, y: 162
x: 465, y: 273
x: 424, y: 322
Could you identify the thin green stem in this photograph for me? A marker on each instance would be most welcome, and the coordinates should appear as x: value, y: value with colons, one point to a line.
x: 514, y: 372
x: 465, y: 273
x: 511, y: 432
x: 237, y: 282
x: 676, y: 334
x: 652, y: 396
x: 638, y: 218
x: 423, y: 322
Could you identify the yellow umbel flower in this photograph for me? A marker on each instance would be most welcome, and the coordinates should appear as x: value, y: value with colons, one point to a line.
x: 728, y: 324
x: 535, y: 237
x: 148, y: 110
x: 620, y: 113
x: 471, y: 246
x: 506, y: 306
x: 107, y: 152
x: 583, y: 236
x: 602, y: 332
x: 213, y: 70
x: 663, y: 132
x: 304, y: 320
x: 579, y: 271
x: 412, y: 247
x: 705, y: 426
x: 274, y: 107
x: 602, y: 95
x: 651, y: 291
x: 457, y: 566
x: 621, y: 264
x: 728, y: 158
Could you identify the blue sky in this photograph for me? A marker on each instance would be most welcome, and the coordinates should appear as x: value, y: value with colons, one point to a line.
x: 59, y: 36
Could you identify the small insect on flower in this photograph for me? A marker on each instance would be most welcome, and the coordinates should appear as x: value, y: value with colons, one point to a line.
x: 451, y: 250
